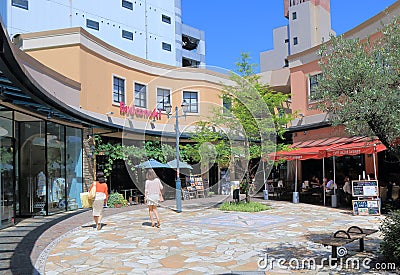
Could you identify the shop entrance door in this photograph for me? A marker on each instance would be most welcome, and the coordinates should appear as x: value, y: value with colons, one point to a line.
x: 32, y: 179
x: 7, y: 198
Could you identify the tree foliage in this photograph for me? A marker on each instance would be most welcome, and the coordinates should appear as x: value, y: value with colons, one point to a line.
x: 360, y: 81
x: 248, y: 128
x: 131, y: 154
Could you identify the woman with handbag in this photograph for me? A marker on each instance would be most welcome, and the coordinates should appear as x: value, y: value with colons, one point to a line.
x: 100, y: 199
x: 152, y: 192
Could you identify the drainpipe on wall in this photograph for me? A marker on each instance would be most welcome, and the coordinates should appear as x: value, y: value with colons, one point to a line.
x: 70, y: 13
x: 145, y: 27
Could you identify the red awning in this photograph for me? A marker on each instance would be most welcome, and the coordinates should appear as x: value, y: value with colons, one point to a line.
x: 335, y: 146
x: 356, y: 148
x: 300, y: 153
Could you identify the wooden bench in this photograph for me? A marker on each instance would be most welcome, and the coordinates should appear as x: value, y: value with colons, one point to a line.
x: 342, y: 237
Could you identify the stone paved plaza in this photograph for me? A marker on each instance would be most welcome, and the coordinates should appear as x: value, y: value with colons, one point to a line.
x: 205, y: 241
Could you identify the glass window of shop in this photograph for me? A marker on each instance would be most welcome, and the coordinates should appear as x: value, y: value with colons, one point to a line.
x: 74, y: 171
x: 56, y: 167
x: 31, y: 183
x: 64, y: 167
x: 49, y: 166
x: 7, y: 197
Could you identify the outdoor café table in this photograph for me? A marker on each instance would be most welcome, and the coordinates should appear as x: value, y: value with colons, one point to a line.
x: 131, y: 192
x: 306, y: 195
x: 279, y: 192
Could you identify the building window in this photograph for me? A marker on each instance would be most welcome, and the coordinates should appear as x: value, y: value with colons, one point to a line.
x: 140, y: 95
x: 294, y: 15
x: 166, y: 19
x: 163, y: 98
x: 166, y: 46
x: 23, y: 4
x: 192, y: 99
x: 127, y: 4
x: 127, y: 34
x: 91, y: 24
x: 313, y: 84
x: 295, y: 41
x: 118, y: 90
x: 227, y: 104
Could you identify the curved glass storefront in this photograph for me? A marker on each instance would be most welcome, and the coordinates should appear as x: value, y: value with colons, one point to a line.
x: 41, y: 166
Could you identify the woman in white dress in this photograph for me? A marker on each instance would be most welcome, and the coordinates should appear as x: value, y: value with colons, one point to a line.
x: 152, y: 192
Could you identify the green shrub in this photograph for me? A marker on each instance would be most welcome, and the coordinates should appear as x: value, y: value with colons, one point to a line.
x: 390, y: 245
x: 116, y: 198
x: 244, y: 207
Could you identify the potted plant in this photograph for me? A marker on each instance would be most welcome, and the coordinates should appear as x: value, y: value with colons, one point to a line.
x: 116, y: 200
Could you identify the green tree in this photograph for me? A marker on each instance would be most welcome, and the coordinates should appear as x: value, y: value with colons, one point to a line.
x: 247, y: 129
x: 360, y: 82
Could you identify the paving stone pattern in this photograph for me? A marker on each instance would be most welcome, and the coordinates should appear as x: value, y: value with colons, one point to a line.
x: 199, y: 240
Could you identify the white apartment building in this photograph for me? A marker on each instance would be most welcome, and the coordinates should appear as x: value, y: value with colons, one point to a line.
x: 309, y: 24
x: 150, y: 29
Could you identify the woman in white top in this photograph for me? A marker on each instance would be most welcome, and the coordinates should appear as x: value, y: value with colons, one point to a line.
x: 152, y: 193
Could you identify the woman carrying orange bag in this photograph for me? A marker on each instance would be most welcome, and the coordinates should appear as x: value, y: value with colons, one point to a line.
x: 100, y: 198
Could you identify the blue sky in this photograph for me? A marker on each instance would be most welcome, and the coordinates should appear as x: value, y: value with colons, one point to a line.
x: 235, y: 26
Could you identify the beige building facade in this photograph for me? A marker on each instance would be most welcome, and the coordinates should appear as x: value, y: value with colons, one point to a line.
x: 114, y: 83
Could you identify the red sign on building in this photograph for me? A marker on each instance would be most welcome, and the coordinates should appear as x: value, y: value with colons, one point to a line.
x: 139, y: 112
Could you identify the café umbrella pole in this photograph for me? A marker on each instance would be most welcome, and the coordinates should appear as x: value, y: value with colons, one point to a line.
x: 323, y: 176
x: 334, y: 176
x: 265, y: 182
x: 334, y: 196
x: 374, y: 160
x: 295, y: 193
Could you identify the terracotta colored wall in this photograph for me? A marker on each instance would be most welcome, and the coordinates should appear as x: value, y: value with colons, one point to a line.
x: 326, y: 4
x: 369, y: 165
x: 319, y: 133
x: 299, y: 85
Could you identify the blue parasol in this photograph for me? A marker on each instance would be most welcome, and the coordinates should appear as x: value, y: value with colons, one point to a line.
x: 182, y: 165
x: 151, y: 163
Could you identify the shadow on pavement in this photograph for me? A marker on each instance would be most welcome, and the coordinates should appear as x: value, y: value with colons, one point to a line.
x: 20, y: 260
x: 146, y: 224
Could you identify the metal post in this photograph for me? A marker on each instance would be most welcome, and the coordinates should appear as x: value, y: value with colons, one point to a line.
x: 323, y: 176
x: 334, y: 176
x: 295, y: 178
x: 265, y: 180
x: 374, y: 159
x: 334, y: 196
x: 178, y: 180
x: 295, y: 193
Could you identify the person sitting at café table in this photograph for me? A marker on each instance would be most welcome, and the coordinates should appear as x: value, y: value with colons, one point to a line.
x: 315, y: 182
x: 329, y: 185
